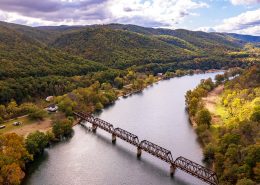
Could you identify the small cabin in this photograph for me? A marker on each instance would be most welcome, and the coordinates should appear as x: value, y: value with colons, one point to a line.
x: 52, y: 108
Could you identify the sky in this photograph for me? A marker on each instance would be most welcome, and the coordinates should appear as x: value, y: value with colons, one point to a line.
x: 235, y: 16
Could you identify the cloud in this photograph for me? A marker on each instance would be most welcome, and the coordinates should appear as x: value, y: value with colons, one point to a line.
x: 244, y: 2
x: 245, y: 23
x: 206, y: 29
x: 249, y: 20
x: 153, y: 13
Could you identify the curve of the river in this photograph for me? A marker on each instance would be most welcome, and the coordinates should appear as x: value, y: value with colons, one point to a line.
x: 157, y: 114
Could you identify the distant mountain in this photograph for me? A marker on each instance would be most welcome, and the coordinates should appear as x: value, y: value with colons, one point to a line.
x: 246, y: 38
x: 23, y: 53
x: 76, y: 50
x: 122, y: 46
x: 197, y: 38
x: 42, y: 61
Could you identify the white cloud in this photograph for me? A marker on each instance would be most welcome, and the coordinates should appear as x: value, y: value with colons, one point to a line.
x: 244, y: 2
x: 245, y: 23
x: 152, y: 13
x: 249, y: 20
x: 162, y: 12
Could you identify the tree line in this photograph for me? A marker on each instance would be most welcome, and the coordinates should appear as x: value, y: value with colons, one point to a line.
x: 232, y: 144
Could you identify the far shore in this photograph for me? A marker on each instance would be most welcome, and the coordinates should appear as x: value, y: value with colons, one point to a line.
x: 46, y: 124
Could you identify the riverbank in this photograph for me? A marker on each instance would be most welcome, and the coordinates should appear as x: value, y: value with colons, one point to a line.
x: 45, y: 125
x: 230, y: 140
x: 211, y: 100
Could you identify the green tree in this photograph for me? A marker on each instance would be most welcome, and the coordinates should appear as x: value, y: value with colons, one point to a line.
x: 66, y: 105
x: 99, y: 106
x: 37, y: 114
x: 119, y: 82
x: 36, y: 142
x: 2, y: 111
x: 1, y: 120
x: 62, y: 128
x: 193, y: 105
x: 209, y: 152
x: 255, y: 116
x: 203, y: 117
x: 219, y: 78
x: 12, y: 108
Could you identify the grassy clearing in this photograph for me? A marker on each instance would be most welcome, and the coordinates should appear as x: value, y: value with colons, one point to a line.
x: 9, y: 125
x: 28, y: 125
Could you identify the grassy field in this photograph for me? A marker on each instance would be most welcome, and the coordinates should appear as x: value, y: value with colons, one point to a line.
x: 9, y: 125
x: 27, y: 126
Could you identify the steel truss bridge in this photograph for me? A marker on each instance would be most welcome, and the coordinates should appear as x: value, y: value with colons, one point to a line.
x: 165, y: 155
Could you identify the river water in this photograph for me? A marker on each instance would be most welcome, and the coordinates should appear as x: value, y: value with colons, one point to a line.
x: 157, y: 115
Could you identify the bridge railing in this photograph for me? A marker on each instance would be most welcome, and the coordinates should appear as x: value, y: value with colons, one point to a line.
x: 85, y: 116
x: 127, y: 136
x: 104, y: 125
x: 196, y: 170
x: 156, y: 151
x: 181, y: 163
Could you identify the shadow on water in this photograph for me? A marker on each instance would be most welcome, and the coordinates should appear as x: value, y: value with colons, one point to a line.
x: 131, y: 156
x: 36, y: 164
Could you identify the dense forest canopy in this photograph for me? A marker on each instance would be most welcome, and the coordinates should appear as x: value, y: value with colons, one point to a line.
x: 37, y: 62
x: 88, y: 67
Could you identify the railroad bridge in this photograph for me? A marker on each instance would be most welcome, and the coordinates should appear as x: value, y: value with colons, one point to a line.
x: 165, y: 155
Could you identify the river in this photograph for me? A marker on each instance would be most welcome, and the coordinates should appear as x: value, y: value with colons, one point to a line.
x: 157, y: 114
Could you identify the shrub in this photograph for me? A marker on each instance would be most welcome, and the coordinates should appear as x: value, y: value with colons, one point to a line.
x: 62, y: 128
x: 209, y: 153
x: 36, y: 142
x: 203, y: 117
x: 37, y: 114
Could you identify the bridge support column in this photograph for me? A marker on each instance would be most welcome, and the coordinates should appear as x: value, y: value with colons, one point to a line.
x: 94, y: 127
x: 80, y: 121
x: 172, y: 170
x: 139, y: 152
x: 113, y: 138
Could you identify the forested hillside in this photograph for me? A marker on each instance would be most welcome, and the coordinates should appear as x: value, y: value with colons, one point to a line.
x: 121, y: 46
x: 53, y: 60
x: 120, y: 49
x: 30, y: 68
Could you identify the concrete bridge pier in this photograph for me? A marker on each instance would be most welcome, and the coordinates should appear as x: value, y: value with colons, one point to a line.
x: 113, y: 138
x: 139, y: 152
x: 172, y: 170
x: 94, y: 127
